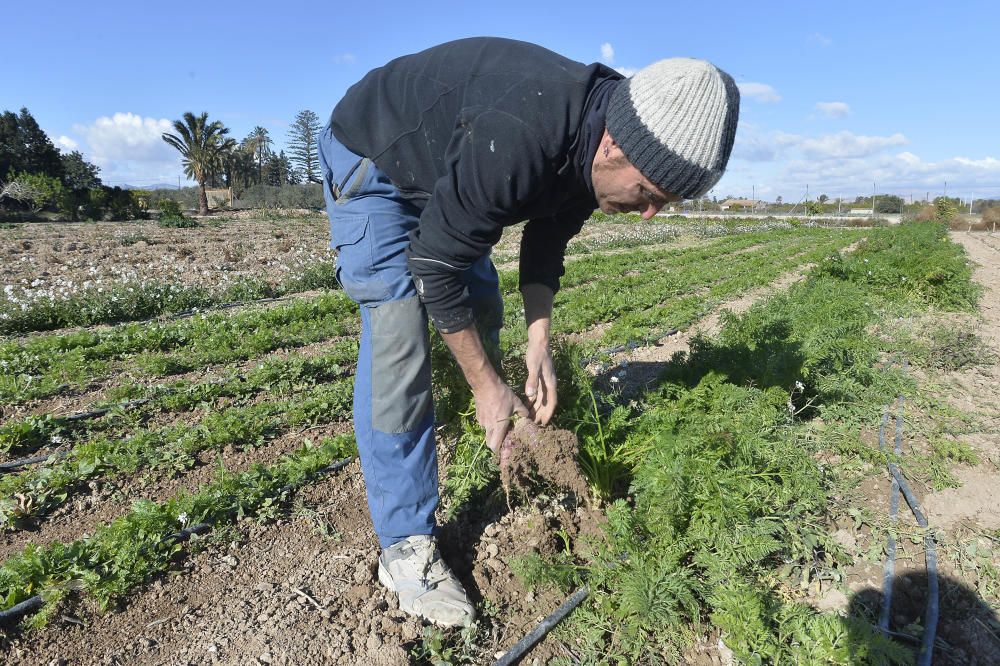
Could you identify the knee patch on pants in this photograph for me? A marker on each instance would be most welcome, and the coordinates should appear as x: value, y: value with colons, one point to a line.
x: 401, y: 366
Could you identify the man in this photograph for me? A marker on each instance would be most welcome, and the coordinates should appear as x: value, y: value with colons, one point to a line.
x: 425, y: 161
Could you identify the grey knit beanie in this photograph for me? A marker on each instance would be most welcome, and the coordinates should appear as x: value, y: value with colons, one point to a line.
x: 675, y: 120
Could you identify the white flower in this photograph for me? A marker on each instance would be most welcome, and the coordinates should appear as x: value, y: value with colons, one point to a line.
x: 183, y: 518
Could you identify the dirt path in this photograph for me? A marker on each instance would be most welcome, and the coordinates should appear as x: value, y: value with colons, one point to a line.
x: 961, y: 518
x: 973, y: 390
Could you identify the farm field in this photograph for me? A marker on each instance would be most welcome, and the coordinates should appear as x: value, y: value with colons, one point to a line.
x: 736, y: 390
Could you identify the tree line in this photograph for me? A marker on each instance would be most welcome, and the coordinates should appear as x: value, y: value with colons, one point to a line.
x: 212, y: 158
x: 34, y: 174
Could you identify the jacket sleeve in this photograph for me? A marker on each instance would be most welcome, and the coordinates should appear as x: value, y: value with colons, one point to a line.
x: 494, y: 165
x: 543, y: 246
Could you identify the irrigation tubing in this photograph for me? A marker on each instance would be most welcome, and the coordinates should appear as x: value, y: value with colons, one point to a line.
x: 515, y: 654
x: 15, y: 464
x: 32, y: 604
x: 628, y: 346
x: 900, y: 485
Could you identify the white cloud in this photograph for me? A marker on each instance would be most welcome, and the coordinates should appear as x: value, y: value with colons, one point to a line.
x: 848, y: 145
x: 66, y: 144
x: 344, y: 59
x: 834, y: 109
x: 129, y: 147
x: 608, y: 58
x: 846, y: 164
x: 819, y: 39
x: 760, y: 92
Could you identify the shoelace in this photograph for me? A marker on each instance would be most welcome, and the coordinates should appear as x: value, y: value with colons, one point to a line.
x: 432, y: 569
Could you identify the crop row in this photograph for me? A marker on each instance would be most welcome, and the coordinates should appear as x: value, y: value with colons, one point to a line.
x: 724, y: 520
x: 126, y: 552
x: 45, y: 365
x: 661, y: 291
x: 608, y: 299
x: 675, y: 309
x: 586, y: 270
x: 44, y: 309
x: 38, y: 490
x: 276, y: 376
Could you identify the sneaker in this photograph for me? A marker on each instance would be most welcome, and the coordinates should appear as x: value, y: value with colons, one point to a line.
x: 427, y: 588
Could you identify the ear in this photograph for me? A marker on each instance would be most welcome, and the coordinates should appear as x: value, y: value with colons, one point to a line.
x: 607, y: 140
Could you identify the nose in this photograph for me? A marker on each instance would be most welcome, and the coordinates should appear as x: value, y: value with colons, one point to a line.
x: 649, y: 211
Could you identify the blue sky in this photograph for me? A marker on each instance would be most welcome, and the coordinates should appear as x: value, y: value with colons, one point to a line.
x: 836, y: 96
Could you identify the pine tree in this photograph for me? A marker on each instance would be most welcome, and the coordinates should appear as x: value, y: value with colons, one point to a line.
x: 303, y: 135
x: 24, y: 147
x: 79, y: 174
x: 278, y: 171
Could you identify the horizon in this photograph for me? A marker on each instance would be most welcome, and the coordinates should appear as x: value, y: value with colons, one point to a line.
x: 885, y: 99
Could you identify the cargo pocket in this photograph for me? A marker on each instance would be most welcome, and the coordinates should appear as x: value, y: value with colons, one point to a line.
x: 351, y: 239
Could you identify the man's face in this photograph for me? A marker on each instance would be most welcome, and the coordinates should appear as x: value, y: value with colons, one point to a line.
x: 620, y: 187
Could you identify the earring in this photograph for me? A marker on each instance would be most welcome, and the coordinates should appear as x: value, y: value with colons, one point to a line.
x: 606, y: 149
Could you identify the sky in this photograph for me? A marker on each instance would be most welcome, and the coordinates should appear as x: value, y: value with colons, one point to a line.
x: 844, y: 98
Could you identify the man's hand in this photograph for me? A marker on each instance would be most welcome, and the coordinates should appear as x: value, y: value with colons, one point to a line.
x: 495, y: 405
x: 495, y: 402
x: 540, y: 388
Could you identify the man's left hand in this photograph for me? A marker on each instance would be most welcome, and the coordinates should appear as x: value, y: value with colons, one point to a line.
x: 540, y: 388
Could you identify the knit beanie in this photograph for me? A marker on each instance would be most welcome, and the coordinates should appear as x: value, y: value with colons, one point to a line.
x: 675, y: 120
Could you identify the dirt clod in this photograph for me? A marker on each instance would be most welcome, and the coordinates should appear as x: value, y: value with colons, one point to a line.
x: 549, y: 453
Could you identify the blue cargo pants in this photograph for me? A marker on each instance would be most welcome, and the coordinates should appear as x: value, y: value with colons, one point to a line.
x: 370, y: 222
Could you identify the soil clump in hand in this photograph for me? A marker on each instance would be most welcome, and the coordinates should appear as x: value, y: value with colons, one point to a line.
x: 549, y: 453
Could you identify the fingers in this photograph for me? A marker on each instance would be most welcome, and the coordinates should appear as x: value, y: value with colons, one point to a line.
x: 505, y: 450
x: 543, y: 404
x: 495, y: 437
x: 533, y: 391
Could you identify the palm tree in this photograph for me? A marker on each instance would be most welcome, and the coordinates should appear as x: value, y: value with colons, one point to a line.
x: 240, y: 168
x: 260, y: 143
x: 201, y: 145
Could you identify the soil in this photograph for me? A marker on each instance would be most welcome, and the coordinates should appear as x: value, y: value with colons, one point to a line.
x: 223, y: 249
x: 546, y: 452
x: 968, y: 631
x: 102, y: 501
x: 303, y: 590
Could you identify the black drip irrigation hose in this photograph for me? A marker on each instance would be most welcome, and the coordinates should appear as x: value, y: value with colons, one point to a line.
x: 628, y: 346
x: 521, y: 648
x: 15, y: 464
x: 95, y: 413
x: 32, y: 604
x: 899, y: 484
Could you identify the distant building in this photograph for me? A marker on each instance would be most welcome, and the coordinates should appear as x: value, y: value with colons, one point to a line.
x: 861, y: 211
x: 745, y: 204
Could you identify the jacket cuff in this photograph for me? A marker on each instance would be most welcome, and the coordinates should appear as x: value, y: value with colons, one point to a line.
x: 452, y: 321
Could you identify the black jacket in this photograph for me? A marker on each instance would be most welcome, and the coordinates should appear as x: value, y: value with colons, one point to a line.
x: 483, y: 133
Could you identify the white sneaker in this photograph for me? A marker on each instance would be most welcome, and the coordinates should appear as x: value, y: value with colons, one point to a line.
x: 427, y: 588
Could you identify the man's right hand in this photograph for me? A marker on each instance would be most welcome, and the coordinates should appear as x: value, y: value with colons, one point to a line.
x: 496, y: 404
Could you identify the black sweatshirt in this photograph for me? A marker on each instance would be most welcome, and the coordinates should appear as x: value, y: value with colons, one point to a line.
x: 483, y: 133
